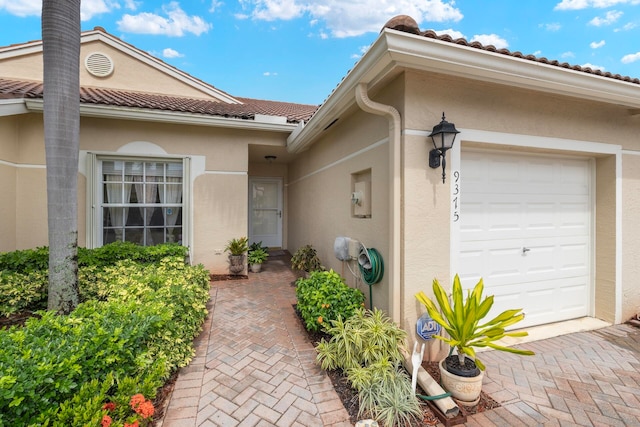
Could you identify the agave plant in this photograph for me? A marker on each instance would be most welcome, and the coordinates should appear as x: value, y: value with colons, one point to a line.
x: 462, y: 320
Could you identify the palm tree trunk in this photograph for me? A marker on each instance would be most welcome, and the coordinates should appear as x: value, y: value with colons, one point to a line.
x: 61, y: 57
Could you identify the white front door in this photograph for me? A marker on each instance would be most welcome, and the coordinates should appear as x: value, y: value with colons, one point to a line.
x: 525, y: 228
x: 265, y: 211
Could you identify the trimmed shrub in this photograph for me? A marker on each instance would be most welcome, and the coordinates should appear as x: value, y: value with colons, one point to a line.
x: 136, y: 325
x: 324, y: 297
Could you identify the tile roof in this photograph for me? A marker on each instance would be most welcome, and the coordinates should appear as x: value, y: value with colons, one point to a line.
x: 407, y: 24
x: 16, y: 89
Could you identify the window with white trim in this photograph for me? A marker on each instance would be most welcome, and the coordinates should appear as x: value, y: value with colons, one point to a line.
x: 140, y: 200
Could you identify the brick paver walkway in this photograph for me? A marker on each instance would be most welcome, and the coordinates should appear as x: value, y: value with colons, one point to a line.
x: 582, y: 379
x: 255, y: 367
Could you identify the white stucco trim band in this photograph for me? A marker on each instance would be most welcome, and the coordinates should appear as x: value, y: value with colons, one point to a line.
x: 549, y: 146
x: 139, y: 114
x: 337, y: 162
x: 22, y: 165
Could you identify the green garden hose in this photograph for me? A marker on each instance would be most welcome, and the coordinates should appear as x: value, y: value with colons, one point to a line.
x: 436, y: 397
x: 374, y: 274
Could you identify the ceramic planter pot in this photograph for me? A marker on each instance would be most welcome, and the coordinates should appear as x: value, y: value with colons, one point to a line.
x: 255, y: 268
x: 465, y: 389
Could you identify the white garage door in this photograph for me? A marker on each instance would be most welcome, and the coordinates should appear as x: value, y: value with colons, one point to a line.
x: 525, y: 228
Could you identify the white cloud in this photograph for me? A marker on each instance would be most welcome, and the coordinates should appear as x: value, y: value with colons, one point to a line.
x: 567, y: 55
x: 271, y: 10
x: 609, y: 18
x: 88, y: 8
x: 215, y: 4
x: 632, y: 57
x: 453, y: 33
x: 491, y: 39
x: 585, y: 4
x: 176, y: 23
x: 596, y: 45
x: 269, y: 74
x: 171, y: 53
x: 22, y: 8
x: 626, y: 27
x: 363, y: 50
x: 593, y: 67
x: 351, y: 18
x: 553, y: 26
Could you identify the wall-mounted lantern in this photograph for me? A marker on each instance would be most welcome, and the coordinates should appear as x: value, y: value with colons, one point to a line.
x: 443, y: 136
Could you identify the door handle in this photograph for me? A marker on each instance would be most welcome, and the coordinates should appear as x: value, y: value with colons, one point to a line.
x: 525, y: 250
x: 279, y: 214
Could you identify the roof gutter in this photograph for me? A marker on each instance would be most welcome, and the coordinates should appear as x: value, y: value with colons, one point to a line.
x: 396, y: 288
x: 172, y: 117
x: 11, y: 107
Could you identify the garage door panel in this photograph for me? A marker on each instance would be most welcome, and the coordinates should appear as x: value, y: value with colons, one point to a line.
x: 525, y: 227
x: 542, y: 302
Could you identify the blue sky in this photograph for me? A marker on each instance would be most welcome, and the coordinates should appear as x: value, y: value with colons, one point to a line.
x: 299, y: 50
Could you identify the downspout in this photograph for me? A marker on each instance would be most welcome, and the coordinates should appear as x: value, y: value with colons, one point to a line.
x: 396, y: 290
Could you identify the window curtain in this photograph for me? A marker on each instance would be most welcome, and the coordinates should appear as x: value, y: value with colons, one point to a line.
x: 118, y: 192
x: 172, y: 194
x: 147, y: 192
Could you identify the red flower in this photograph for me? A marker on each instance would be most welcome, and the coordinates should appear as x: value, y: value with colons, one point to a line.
x: 133, y: 424
x: 145, y: 409
x: 136, y: 400
x: 106, y: 421
x: 109, y: 406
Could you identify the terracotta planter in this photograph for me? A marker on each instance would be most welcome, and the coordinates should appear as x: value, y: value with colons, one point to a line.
x: 465, y: 389
x: 255, y: 268
x: 236, y: 264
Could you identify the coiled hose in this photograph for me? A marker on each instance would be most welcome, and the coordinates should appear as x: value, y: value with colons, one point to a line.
x: 371, y: 271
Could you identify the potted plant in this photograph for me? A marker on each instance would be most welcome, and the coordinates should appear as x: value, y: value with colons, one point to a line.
x: 461, y: 374
x: 306, y: 259
x: 256, y: 257
x: 237, y: 249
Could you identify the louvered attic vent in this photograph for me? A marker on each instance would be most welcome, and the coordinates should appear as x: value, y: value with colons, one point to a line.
x: 98, y: 64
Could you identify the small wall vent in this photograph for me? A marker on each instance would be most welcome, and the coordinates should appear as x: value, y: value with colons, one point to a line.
x: 98, y: 64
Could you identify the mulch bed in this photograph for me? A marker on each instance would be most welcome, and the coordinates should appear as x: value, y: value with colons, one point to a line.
x: 220, y: 277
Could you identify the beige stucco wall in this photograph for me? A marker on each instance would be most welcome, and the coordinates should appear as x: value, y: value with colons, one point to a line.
x: 605, y: 237
x: 319, y: 192
x: 630, y: 235
x: 8, y: 176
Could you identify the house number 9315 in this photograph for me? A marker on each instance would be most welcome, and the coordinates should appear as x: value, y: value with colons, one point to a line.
x: 455, y: 196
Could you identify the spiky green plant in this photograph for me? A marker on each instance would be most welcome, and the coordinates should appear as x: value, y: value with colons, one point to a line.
x: 388, y: 398
x: 367, y: 347
x: 365, y: 338
x: 462, y: 321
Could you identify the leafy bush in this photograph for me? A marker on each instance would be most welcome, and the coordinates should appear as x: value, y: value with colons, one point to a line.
x: 306, y: 259
x: 136, y: 324
x: 21, y: 291
x: 29, y: 260
x: 367, y: 348
x: 24, y: 274
x: 324, y: 297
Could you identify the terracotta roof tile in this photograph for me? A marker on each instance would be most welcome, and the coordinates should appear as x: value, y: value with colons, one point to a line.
x: 100, y: 96
x: 407, y: 24
x: 476, y: 45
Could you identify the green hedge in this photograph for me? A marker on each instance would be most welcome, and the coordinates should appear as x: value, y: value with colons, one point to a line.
x: 24, y: 274
x: 135, y: 326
